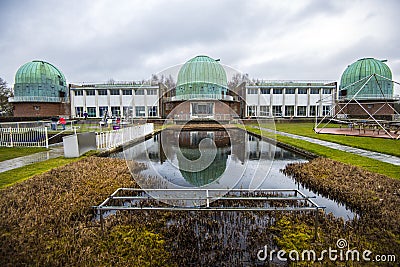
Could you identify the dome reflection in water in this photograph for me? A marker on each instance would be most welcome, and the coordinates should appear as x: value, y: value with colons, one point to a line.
x: 189, y: 143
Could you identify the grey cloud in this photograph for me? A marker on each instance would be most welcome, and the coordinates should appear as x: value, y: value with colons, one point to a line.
x: 95, y: 41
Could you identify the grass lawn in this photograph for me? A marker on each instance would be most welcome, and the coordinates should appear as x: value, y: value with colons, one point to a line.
x: 7, y: 153
x: 20, y: 174
x: 338, y: 155
x: 387, y: 146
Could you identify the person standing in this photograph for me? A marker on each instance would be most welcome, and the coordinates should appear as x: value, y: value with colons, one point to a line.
x: 63, y: 122
x: 54, y: 123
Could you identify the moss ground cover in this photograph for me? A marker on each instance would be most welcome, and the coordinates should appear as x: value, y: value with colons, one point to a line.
x: 7, y: 153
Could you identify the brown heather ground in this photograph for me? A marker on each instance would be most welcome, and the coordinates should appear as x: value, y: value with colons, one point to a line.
x: 48, y: 221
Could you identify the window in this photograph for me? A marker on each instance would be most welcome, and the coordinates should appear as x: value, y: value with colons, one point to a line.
x: 127, y: 111
x: 277, y: 91
x: 252, y: 111
x: 326, y: 110
x: 252, y: 91
x: 78, y: 92
x: 264, y: 110
x: 127, y: 92
x: 326, y: 91
x: 289, y: 111
x: 290, y: 91
x: 301, y: 111
x: 102, y: 92
x: 152, y: 91
x: 140, y: 111
x: 103, y: 111
x: 115, y: 111
x: 302, y: 91
x: 314, y: 110
x: 314, y: 91
x: 90, y: 92
x: 152, y: 111
x: 79, y: 111
x: 91, y: 111
x: 264, y: 91
x: 199, y: 109
x: 114, y: 92
x: 277, y: 110
x: 139, y: 92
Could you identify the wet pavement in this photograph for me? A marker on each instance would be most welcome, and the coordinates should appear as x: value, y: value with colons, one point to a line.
x: 361, y: 152
x: 54, y: 152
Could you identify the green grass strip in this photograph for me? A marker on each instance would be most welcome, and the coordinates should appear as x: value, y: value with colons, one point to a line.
x: 382, y: 145
x: 7, y: 153
x: 372, y: 165
x: 13, y: 176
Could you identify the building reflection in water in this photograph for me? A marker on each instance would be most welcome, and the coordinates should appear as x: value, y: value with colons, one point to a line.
x: 234, y: 148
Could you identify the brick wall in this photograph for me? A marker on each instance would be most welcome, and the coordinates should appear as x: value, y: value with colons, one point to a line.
x: 29, y: 109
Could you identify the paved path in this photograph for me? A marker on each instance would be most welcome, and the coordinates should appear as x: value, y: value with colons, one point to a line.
x: 14, y: 163
x: 365, y: 153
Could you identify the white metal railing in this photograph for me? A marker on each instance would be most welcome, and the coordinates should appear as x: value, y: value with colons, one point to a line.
x: 38, y: 99
x: 202, y: 96
x: 369, y: 96
x: 217, y: 117
x: 114, y: 138
x: 28, y: 137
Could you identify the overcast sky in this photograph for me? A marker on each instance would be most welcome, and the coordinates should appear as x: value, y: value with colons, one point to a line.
x: 93, y: 41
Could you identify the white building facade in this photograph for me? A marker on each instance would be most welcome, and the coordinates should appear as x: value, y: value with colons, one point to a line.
x: 118, y: 99
x: 290, y: 99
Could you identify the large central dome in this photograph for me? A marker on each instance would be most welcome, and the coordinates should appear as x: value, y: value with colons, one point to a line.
x: 201, y: 77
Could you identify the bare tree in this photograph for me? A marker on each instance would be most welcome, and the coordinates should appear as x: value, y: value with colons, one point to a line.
x: 170, y: 82
x: 5, y: 92
x: 237, y: 79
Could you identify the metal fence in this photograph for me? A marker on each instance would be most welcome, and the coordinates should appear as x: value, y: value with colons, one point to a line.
x: 114, y: 138
x: 27, y: 137
x: 235, y: 200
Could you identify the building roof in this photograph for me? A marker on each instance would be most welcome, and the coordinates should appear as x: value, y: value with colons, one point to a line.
x: 357, y: 74
x: 39, y: 71
x: 202, y: 69
x: 39, y: 81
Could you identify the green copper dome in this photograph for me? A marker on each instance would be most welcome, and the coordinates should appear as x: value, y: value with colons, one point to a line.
x: 361, y: 70
x: 39, y: 81
x: 201, y: 77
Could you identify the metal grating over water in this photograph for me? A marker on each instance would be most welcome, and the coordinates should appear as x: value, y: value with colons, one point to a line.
x: 236, y: 200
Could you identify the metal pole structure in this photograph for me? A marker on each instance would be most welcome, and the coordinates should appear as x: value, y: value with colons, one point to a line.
x: 47, y: 137
x: 11, y: 138
x: 208, y: 199
x: 101, y: 220
x: 316, y: 224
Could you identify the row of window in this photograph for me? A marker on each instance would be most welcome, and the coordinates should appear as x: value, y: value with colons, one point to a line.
x: 289, y: 111
x: 140, y: 111
x: 289, y: 91
x: 79, y: 92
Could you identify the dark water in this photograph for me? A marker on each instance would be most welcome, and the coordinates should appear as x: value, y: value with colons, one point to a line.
x: 241, y: 161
